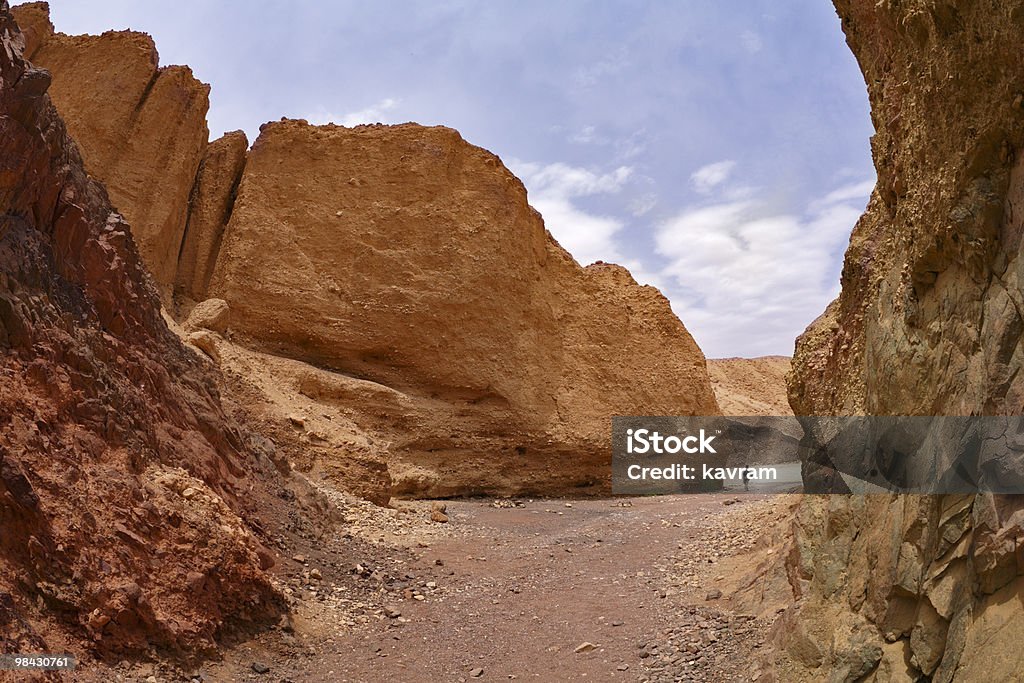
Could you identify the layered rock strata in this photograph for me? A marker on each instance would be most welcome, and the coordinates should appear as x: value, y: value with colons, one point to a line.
x: 124, y: 487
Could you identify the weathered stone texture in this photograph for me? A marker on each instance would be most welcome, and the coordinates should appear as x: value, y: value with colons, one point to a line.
x: 928, y: 323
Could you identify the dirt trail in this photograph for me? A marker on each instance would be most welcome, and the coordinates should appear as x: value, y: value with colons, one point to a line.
x: 515, y: 591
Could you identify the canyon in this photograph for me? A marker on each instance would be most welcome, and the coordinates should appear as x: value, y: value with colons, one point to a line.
x: 191, y: 358
x: 487, y: 363
x: 237, y: 377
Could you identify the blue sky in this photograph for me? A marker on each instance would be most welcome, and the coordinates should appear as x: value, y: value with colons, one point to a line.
x: 718, y: 149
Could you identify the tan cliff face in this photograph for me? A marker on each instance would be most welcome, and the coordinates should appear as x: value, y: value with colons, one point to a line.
x: 928, y: 323
x: 405, y: 256
x: 116, y: 453
x: 141, y: 127
x: 210, y: 206
x: 394, y: 261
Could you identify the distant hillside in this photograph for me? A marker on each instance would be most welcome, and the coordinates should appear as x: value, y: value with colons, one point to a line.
x: 751, y: 386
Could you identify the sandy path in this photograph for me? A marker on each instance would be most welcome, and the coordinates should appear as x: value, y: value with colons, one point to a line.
x: 515, y: 592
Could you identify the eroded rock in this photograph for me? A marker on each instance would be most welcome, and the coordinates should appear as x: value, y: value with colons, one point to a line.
x: 405, y: 256
x: 928, y: 323
x: 105, y: 417
x: 141, y: 128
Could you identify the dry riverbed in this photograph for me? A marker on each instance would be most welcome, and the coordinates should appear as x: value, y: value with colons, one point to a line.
x: 640, y: 589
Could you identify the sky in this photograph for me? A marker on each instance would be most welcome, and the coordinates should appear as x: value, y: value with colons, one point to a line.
x: 719, y: 150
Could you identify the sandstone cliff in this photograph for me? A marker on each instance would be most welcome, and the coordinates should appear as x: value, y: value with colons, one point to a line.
x: 124, y: 488
x: 406, y: 257
x: 209, y: 209
x: 141, y: 127
x: 928, y: 322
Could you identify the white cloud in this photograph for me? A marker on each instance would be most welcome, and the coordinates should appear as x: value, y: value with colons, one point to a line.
x: 643, y: 205
x: 585, y: 136
x: 633, y: 146
x: 853, y: 191
x: 706, y: 178
x: 375, y: 113
x: 587, y: 237
x: 570, y: 181
x: 553, y: 189
x: 746, y: 280
x: 588, y: 76
x: 751, y: 42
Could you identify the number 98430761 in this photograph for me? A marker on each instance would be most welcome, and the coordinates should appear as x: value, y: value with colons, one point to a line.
x: 36, y: 662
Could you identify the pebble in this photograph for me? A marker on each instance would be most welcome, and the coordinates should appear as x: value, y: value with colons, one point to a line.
x: 585, y: 646
x: 476, y: 673
x: 260, y: 668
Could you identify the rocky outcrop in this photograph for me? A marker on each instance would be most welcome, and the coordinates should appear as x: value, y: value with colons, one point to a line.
x: 124, y: 487
x: 929, y: 322
x: 141, y: 128
x: 751, y: 386
x: 397, y: 262
x: 406, y: 257
x: 210, y: 207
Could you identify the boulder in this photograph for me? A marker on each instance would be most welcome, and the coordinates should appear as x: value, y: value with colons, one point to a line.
x: 212, y: 314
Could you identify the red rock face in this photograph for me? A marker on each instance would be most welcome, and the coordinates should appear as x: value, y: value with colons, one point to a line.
x: 121, y: 478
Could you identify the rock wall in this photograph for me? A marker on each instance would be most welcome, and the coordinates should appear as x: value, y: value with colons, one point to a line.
x: 928, y: 323
x: 123, y: 485
x: 404, y: 256
x: 141, y: 128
